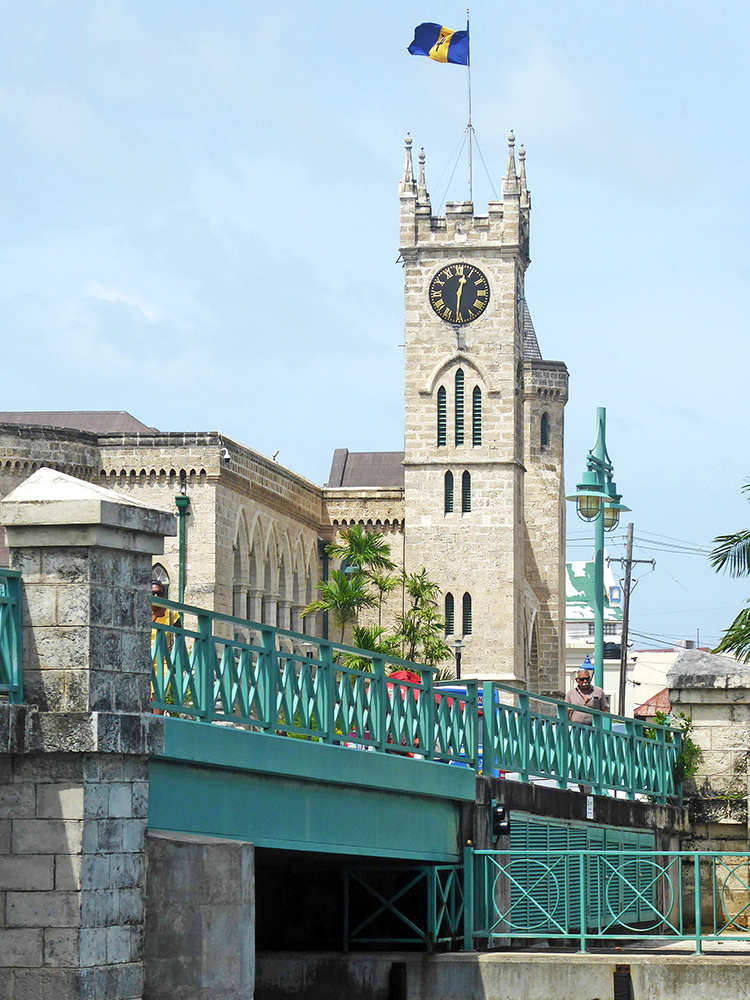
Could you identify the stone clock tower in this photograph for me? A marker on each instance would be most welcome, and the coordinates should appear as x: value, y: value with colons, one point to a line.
x: 483, y: 463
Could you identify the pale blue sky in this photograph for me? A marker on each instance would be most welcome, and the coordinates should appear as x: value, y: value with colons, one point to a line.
x: 200, y: 227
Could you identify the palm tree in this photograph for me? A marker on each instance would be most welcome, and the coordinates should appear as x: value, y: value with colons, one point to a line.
x: 731, y: 554
x: 363, y: 551
x: 373, y: 639
x: 342, y: 595
x: 384, y: 583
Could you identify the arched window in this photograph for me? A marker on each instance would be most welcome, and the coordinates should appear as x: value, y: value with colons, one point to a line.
x: 159, y: 575
x: 467, y: 613
x: 460, y: 406
x: 465, y: 493
x: 544, y: 431
x: 476, y: 416
x: 441, y: 417
x: 449, y: 614
x: 448, y: 493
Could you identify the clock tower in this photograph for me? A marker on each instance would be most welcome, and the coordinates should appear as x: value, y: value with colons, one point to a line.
x: 483, y: 463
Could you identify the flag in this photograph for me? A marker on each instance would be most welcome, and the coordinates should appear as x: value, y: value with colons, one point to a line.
x: 441, y: 44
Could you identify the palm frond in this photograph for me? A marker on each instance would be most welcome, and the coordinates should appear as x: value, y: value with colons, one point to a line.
x: 731, y: 553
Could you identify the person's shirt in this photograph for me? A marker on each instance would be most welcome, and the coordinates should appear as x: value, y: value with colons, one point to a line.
x: 596, y: 698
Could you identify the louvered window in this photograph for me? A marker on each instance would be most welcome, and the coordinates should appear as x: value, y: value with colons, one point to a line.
x: 449, y: 614
x: 467, y: 614
x: 448, y: 493
x: 441, y: 417
x: 460, y: 406
x: 465, y: 493
x: 476, y: 416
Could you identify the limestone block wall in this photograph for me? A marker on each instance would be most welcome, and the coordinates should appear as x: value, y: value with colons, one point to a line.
x: 545, y: 394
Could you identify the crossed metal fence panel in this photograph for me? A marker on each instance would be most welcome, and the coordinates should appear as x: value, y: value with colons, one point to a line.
x: 609, y: 895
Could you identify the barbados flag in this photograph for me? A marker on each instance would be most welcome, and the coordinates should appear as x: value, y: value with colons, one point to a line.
x: 441, y: 44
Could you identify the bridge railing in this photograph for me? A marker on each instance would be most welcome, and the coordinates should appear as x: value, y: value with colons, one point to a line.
x: 217, y: 668
x: 599, y: 896
x: 531, y: 735
x: 11, y: 660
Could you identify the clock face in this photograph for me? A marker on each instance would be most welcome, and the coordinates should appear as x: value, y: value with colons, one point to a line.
x: 459, y: 293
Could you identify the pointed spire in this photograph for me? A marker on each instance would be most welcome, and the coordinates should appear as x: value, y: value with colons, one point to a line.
x: 408, y: 177
x: 510, y: 171
x: 522, y: 167
x: 422, y: 195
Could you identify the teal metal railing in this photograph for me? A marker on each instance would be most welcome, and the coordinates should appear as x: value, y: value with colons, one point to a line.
x: 588, y: 897
x: 11, y: 660
x: 530, y: 735
x: 210, y: 667
x: 214, y: 667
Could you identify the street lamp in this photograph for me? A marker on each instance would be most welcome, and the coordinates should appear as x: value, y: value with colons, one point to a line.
x: 458, y: 645
x: 596, y: 499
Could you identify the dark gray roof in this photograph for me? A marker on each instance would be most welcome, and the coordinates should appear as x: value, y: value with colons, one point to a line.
x: 366, y: 468
x: 94, y: 421
x: 530, y: 343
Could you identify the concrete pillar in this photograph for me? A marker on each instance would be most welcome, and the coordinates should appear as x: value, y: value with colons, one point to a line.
x: 74, y: 756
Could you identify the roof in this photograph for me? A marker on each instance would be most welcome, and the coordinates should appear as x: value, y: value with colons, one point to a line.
x: 351, y: 469
x: 530, y: 343
x: 93, y: 421
x: 579, y: 593
x: 658, y: 702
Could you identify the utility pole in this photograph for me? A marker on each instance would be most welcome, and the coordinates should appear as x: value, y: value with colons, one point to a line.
x: 629, y: 561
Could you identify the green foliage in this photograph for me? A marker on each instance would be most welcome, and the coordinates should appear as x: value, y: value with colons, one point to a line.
x: 342, y: 595
x: 731, y: 554
x: 690, y: 754
x: 418, y: 634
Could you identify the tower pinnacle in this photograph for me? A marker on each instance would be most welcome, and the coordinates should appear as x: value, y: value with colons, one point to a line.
x: 407, y: 181
x: 422, y: 196
x: 510, y: 170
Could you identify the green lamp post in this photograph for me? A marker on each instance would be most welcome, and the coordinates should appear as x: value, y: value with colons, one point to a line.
x: 596, y: 499
x: 182, y: 502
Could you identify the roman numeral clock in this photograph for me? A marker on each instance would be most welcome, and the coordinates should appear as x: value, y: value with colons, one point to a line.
x: 459, y: 293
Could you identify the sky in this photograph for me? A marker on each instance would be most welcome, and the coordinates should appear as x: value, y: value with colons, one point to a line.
x: 200, y: 226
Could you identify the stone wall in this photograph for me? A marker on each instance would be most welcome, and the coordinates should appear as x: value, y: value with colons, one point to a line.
x: 74, y: 757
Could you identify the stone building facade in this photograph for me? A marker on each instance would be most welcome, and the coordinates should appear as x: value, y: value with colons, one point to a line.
x: 476, y: 497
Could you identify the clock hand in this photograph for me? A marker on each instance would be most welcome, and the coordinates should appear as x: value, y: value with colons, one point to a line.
x: 461, y: 283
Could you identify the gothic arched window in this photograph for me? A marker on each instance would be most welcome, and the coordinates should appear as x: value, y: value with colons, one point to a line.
x: 467, y: 613
x: 460, y: 406
x: 448, y: 493
x: 465, y: 493
x: 441, y: 417
x: 449, y: 614
x: 476, y: 416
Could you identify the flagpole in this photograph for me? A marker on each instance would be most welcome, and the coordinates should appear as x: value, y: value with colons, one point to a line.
x: 468, y: 88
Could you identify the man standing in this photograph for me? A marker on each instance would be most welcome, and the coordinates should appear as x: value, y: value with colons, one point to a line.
x: 584, y: 695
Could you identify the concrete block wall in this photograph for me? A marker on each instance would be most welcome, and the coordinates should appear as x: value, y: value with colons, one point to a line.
x: 71, y: 875
x: 200, y: 925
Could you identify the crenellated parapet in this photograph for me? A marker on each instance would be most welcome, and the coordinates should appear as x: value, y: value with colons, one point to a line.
x: 504, y: 229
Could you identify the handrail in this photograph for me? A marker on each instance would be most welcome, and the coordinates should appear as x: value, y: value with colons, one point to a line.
x: 11, y: 649
x: 612, y: 753
x: 608, y: 895
x: 281, y: 682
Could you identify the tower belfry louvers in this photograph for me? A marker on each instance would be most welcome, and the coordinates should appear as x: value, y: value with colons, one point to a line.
x: 483, y: 458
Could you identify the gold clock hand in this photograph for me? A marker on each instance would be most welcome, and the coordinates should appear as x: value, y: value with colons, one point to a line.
x: 461, y: 283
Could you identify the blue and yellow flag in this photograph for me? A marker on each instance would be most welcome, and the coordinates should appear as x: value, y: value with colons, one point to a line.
x: 441, y: 44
